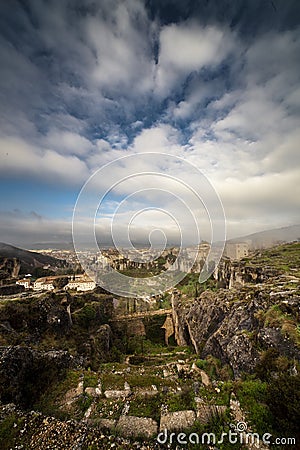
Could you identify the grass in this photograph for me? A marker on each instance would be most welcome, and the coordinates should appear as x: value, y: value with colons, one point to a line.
x: 112, y: 381
x: 49, y: 403
x: 181, y: 401
x: 146, y: 406
x: 283, y: 257
x: 252, y: 396
x: 9, y: 428
x: 219, y: 395
x: 84, y: 402
x: 90, y: 379
x: 275, y: 317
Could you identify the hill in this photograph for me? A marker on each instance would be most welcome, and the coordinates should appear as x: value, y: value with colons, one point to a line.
x: 28, y: 260
x: 269, y: 238
x: 52, y: 245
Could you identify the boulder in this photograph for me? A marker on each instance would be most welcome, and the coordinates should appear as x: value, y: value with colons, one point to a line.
x: 176, y: 421
x: 131, y: 426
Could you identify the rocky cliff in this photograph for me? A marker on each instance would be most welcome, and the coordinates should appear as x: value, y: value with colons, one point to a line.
x: 260, y: 311
x: 103, y: 381
x: 21, y: 367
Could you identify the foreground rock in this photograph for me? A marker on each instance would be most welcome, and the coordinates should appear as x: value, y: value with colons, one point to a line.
x: 176, y: 421
x: 130, y: 426
x: 34, y: 431
x: 25, y: 373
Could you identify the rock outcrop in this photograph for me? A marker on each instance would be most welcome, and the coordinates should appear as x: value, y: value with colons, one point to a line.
x: 231, y: 273
x: 258, y: 312
x: 178, y: 420
x: 130, y: 426
x: 25, y: 373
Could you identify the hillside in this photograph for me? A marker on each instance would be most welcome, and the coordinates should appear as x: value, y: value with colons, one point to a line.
x: 28, y: 260
x: 52, y: 245
x: 269, y: 238
x: 101, y: 371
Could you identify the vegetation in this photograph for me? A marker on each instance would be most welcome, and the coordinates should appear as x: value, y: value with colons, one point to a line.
x: 9, y: 428
x: 50, y: 401
x: 191, y: 287
x: 149, y: 406
x: 275, y: 317
x: 139, y: 356
x: 252, y: 396
x: 285, y: 258
x: 283, y: 398
x: 183, y: 400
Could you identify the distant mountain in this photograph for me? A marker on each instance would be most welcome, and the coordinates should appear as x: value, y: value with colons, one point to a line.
x: 28, y: 260
x: 268, y: 238
x: 52, y: 245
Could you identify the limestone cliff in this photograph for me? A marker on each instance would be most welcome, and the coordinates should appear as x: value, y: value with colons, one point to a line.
x: 258, y: 312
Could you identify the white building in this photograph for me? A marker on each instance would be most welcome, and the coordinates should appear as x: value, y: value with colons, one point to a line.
x: 24, y: 282
x: 237, y: 250
x: 43, y: 284
x: 81, y: 284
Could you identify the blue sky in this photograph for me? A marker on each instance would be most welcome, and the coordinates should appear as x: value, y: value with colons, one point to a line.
x: 84, y: 83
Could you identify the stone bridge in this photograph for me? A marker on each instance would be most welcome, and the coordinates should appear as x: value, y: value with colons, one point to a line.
x: 141, y: 314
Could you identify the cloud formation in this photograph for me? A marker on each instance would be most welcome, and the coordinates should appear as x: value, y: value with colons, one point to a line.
x: 85, y: 83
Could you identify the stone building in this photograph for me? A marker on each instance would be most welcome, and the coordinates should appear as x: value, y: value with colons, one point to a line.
x: 236, y: 250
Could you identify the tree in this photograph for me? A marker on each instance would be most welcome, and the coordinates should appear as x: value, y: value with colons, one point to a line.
x: 59, y: 283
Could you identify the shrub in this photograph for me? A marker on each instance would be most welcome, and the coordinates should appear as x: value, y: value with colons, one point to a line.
x: 181, y: 401
x: 283, y: 397
x: 9, y: 428
x: 201, y: 364
x: 84, y: 402
x: 146, y: 407
x: 253, y: 399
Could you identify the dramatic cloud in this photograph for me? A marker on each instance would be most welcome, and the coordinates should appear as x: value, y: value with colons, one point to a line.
x: 85, y: 83
x: 187, y: 48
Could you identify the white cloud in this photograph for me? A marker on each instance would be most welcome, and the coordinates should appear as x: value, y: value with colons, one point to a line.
x: 187, y: 47
x: 123, y: 51
x: 22, y: 159
x: 159, y: 138
x: 66, y: 142
x: 75, y: 89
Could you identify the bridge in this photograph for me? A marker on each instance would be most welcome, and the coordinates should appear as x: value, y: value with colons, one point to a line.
x: 141, y: 314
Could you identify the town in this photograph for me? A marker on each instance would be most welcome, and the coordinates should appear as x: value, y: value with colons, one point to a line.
x: 82, y: 282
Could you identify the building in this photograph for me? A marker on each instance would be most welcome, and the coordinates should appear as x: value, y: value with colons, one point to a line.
x: 43, y: 284
x: 236, y: 250
x: 81, y: 284
x: 76, y: 282
x: 24, y: 282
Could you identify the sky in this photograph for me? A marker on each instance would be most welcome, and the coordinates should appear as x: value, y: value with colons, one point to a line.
x: 84, y: 83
